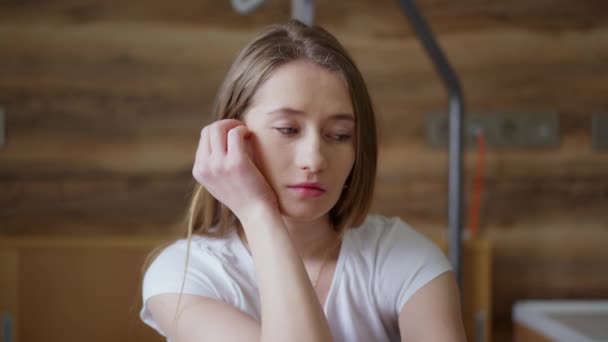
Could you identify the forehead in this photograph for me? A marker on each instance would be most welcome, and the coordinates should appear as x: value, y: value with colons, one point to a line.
x: 304, y: 86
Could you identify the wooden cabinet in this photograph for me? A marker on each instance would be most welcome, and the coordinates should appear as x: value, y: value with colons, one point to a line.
x: 89, y: 288
x: 74, y: 289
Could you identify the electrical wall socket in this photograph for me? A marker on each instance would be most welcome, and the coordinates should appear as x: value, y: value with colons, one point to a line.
x: 2, y: 128
x: 599, y: 131
x: 504, y: 130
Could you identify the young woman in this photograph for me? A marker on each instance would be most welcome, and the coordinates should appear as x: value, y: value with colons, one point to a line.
x: 280, y: 245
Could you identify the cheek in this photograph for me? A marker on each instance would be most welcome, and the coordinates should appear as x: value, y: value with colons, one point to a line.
x: 257, y: 151
x: 342, y: 164
x: 267, y: 155
x: 349, y: 161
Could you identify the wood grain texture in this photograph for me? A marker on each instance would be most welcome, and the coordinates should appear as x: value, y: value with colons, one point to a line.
x: 105, y: 101
x: 522, y: 333
x: 91, y: 294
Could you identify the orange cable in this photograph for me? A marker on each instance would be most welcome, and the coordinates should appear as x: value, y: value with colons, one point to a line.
x: 478, y: 184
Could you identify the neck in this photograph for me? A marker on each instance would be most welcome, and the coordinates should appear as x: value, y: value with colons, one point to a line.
x: 312, y: 239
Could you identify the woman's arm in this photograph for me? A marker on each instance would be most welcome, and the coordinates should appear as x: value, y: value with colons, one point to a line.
x: 433, y: 312
x: 290, y: 308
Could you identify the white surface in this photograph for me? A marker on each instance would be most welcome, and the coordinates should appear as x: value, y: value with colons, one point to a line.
x: 568, y: 321
x: 303, y: 10
x: 245, y: 6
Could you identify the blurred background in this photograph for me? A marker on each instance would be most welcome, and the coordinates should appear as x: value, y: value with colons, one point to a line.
x: 102, y: 103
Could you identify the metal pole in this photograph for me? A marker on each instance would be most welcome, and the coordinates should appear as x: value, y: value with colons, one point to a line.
x: 456, y: 142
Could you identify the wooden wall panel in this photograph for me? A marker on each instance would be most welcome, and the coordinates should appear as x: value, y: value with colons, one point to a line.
x: 105, y: 101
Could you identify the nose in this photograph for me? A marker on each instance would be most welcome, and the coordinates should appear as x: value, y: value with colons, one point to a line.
x: 310, y: 154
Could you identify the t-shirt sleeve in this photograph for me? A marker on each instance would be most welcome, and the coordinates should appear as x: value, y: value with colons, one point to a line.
x: 407, y: 260
x: 166, y: 274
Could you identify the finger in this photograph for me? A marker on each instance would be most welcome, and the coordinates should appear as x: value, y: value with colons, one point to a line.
x: 202, y: 151
x: 236, y: 141
x: 203, y: 145
x: 218, y: 132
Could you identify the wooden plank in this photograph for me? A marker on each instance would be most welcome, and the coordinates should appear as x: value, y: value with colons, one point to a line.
x: 71, y: 204
x: 378, y: 17
x: 31, y: 242
x: 143, y: 58
x: 93, y: 205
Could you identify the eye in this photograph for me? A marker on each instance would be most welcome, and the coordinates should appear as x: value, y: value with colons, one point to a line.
x: 287, y: 131
x: 340, y: 137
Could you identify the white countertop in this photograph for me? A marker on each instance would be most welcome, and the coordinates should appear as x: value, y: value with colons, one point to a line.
x: 565, y: 320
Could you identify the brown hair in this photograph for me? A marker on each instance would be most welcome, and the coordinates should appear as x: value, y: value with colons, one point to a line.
x: 276, y: 46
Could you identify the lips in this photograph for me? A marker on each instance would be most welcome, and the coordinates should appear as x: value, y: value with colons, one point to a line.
x: 309, y: 185
x: 306, y: 190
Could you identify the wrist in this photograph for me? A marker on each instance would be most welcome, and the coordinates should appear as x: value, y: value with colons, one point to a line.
x: 260, y: 215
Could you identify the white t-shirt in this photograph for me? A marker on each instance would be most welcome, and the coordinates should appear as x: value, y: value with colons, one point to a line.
x: 381, y: 264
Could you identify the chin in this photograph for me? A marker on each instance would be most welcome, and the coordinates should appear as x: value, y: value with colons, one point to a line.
x: 303, y: 213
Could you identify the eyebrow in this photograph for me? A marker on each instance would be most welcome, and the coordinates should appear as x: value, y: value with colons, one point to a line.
x: 291, y: 111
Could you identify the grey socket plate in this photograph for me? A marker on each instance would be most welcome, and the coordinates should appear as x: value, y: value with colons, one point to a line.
x: 503, y: 130
x: 599, y: 131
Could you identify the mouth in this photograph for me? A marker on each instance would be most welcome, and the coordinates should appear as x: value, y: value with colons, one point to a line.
x: 308, y: 189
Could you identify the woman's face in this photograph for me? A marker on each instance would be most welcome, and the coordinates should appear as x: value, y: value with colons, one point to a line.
x: 303, y: 142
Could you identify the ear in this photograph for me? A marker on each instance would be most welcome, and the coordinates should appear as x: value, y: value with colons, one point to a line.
x: 250, y: 140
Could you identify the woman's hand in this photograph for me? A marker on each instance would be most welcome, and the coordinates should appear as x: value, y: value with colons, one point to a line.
x: 223, y: 165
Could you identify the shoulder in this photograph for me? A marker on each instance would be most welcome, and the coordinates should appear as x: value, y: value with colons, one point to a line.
x: 201, y: 262
x: 402, y: 259
x: 198, y: 248
x: 387, y: 234
x: 201, y: 267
